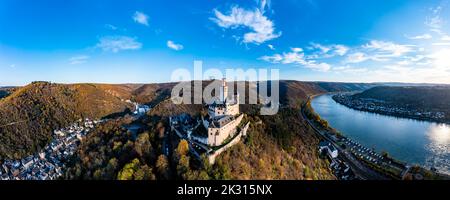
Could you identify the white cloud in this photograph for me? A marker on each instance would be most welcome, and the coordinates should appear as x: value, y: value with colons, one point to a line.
x: 172, y: 45
x: 445, y: 38
x: 323, y: 67
x: 341, y: 49
x: 111, y: 27
x: 357, y: 57
x: 441, y: 44
x: 441, y: 59
x: 349, y: 69
x: 404, y: 62
x: 415, y: 58
x: 271, y: 47
x: 297, y: 56
x: 389, y: 49
x: 262, y: 29
x: 435, y: 21
x: 118, y: 43
x: 425, y: 36
x: 140, y: 18
x: 78, y: 59
x: 296, y: 49
x: 276, y: 58
x: 330, y: 50
x: 264, y: 4
x: 324, y: 49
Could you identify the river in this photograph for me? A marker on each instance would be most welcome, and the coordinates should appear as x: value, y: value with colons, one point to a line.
x: 412, y: 141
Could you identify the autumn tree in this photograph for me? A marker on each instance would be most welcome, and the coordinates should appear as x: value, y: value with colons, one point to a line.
x: 144, y: 173
x: 182, y: 149
x: 183, y: 165
x: 162, y: 167
x: 128, y: 170
x: 143, y: 146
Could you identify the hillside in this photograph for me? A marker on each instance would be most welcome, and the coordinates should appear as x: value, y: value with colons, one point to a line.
x: 436, y: 97
x: 30, y: 114
x: 281, y: 146
x: 417, y: 102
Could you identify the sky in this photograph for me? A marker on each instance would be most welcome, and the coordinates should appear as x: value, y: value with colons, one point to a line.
x: 137, y: 41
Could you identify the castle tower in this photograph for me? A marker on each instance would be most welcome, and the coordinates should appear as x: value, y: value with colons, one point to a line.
x: 224, y: 91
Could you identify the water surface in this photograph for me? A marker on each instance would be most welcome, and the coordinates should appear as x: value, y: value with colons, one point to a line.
x: 413, y: 141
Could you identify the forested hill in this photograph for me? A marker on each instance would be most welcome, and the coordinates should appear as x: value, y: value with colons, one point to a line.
x: 431, y: 97
x: 293, y: 93
x: 416, y: 102
x: 280, y: 146
x: 31, y: 113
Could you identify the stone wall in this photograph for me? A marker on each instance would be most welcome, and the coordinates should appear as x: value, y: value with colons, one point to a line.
x: 242, y: 133
x: 216, y: 136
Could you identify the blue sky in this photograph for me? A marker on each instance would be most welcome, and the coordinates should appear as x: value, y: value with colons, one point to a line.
x: 137, y: 41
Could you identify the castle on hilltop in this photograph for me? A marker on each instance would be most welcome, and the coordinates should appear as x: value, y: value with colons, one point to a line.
x: 216, y: 132
x: 224, y: 117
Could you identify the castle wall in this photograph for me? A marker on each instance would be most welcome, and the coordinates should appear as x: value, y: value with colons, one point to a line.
x: 233, y: 109
x: 216, y: 136
x: 212, y: 156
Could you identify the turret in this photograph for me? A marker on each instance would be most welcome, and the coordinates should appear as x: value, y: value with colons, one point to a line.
x: 224, y: 91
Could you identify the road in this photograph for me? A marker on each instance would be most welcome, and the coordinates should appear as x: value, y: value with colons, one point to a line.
x: 358, y: 168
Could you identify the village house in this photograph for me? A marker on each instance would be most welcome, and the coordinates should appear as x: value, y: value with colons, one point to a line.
x: 329, y: 149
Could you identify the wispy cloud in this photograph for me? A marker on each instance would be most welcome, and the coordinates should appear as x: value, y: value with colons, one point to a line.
x: 350, y: 69
x: 380, y: 51
x: 174, y: 46
x: 435, y: 21
x: 322, y: 67
x: 118, y: 43
x: 111, y: 27
x: 388, y: 49
x: 271, y: 47
x: 141, y: 18
x: 329, y: 50
x: 357, y: 57
x: 78, y: 59
x: 445, y: 38
x: 297, y: 56
x: 425, y: 36
x: 264, y: 5
x: 441, y: 44
x: 262, y: 28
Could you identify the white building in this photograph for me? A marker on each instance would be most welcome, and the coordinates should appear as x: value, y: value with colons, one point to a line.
x: 331, y: 151
x: 223, y: 119
x: 141, y: 109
